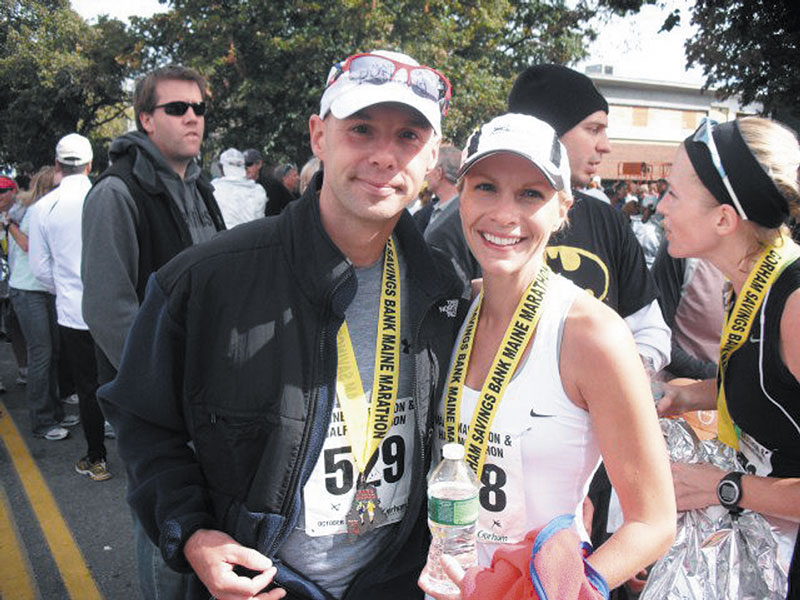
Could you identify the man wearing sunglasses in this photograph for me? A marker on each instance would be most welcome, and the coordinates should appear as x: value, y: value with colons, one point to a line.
x: 151, y: 203
x: 299, y: 355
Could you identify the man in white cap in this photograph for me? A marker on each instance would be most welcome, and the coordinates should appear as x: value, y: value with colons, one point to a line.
x: 299, y: 354
x: 240, y: 199
x: 55, y: 259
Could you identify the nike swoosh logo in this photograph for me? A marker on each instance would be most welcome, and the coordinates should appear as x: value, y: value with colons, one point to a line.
x: 755, y: 340
x: 535, y: 414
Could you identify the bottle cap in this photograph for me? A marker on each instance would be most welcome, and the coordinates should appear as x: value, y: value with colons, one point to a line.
x: 453, y: 451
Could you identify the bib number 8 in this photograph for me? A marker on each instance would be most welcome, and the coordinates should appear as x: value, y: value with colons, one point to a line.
x: 339, y: 472
x: 492, y: 497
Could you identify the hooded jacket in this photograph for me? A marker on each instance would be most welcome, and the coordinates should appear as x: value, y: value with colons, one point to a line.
x: 234, y: 349
x: 138, y: 215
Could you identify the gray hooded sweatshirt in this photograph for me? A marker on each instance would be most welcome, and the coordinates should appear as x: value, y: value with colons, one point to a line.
x: 110, y: 257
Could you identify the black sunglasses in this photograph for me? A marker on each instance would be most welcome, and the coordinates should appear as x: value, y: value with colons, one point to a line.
x: 4, y: 190
x: 179, y: 108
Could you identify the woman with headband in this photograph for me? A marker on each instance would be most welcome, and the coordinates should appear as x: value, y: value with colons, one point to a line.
x: 732, y: 189
x: 543, y: 375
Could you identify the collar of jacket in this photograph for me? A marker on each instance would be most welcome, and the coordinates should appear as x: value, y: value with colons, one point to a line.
x: 321, y: 265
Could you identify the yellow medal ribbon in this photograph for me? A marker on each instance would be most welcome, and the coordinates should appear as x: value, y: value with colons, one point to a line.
x: 368, y: 425
x: 504, y: 365
x: 771, y: 263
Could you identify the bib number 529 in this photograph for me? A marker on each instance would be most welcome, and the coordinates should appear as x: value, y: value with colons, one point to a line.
x: 339, y: 471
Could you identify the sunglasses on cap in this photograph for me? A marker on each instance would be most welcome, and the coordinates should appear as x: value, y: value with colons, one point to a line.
x: 705, y: 136
x: 425, y: 82
x: 179, y: 108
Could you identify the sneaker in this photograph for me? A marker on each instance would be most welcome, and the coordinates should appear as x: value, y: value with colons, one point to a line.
x: 108, y: 431
x: 53, y: 434
x: 70, y: 421
x: 71, y: 399
x: 98, y: 471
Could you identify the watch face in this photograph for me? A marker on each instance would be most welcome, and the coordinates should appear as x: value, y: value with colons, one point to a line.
x: 728, y: 492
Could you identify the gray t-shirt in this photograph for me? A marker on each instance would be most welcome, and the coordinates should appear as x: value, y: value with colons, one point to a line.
x: 332, y: 560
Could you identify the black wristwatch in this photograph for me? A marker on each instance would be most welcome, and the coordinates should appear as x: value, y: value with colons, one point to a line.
x: 729, y: 491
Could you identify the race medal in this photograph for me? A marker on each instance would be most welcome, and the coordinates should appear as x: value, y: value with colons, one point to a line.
x: 365, y: 512
x: 368, y: 425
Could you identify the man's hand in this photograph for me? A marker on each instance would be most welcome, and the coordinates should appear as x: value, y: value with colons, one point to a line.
x: 214, y: 555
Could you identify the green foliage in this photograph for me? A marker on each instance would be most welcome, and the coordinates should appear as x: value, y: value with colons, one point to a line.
x: 59, y: 75
x: 751, y: 49
x: 266, y: 61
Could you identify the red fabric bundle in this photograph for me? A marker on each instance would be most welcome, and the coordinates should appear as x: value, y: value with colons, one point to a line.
x: 549, y: 564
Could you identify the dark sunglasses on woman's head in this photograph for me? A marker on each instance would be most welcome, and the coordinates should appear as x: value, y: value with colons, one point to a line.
x: 179, y: 108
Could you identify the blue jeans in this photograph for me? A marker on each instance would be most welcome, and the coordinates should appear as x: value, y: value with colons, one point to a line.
x: 36, y: 312
x: 156, y: 580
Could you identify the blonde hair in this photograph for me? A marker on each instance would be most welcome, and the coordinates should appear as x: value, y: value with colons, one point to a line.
x: 308, y: 171
x: 42, y: 183
x: 776, y: 148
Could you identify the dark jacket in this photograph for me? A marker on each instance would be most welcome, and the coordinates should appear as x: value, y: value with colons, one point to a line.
x: 161, y: 230
x: 235, y: 349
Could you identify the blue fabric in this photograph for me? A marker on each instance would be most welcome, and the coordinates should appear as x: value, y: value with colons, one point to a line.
x: 36, y: 312
x: 553, y: 527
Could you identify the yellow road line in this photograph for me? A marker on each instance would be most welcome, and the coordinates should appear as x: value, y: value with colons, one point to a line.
x: 16, y: 580
x: 74, y: 570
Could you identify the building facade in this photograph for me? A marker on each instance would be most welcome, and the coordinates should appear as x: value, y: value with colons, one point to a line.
x: 648, y: 119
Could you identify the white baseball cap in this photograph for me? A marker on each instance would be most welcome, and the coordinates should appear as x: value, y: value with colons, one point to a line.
x: 346, y: 95
x: 525, y: 136
x: 232, y: 162
x: 74, y: 149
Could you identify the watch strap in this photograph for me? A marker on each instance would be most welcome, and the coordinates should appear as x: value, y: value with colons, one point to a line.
x: 731, y: 480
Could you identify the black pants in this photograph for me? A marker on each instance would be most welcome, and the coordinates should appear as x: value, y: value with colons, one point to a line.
x: 78, y: 352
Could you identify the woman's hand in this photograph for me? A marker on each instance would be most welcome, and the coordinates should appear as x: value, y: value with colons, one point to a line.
x: 695, y: 485
x: 683, y: 395
x: 454, y: 571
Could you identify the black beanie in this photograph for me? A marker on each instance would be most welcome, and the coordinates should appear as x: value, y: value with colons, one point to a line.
x: 557, y: 95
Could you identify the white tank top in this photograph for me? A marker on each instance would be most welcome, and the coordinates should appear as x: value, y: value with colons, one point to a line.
x: 542, y: 450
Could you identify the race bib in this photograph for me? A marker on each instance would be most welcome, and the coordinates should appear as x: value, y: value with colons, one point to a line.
x: 502, y: 518
x: 756, y: 459
x: 329, y: 493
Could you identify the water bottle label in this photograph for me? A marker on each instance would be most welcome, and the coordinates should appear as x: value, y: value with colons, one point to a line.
x: 453, y: 512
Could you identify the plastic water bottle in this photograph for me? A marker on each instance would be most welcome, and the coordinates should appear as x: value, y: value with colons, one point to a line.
x: 452, y: 516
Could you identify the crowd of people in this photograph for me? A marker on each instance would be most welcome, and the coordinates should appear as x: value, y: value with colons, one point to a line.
x: 279, y: 387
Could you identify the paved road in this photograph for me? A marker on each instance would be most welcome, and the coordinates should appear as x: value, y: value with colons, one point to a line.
x: 62, y: 535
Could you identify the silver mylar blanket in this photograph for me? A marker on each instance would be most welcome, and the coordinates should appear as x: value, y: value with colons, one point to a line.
x: 715, y: 556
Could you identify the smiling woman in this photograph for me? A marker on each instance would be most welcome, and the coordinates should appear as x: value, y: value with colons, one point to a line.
x: 527, y: 389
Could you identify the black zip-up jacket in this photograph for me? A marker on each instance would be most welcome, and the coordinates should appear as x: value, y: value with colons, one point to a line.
x: 234, y: 349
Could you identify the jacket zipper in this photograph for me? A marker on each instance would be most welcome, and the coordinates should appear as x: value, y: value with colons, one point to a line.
x: 287, y: 507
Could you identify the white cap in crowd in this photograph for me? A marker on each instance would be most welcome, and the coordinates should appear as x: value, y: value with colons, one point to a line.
x: 524, y: 136
x: 74, y: 149
x: 232, y: 163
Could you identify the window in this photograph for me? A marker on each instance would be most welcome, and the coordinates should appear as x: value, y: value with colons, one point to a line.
x: 640, y: 114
